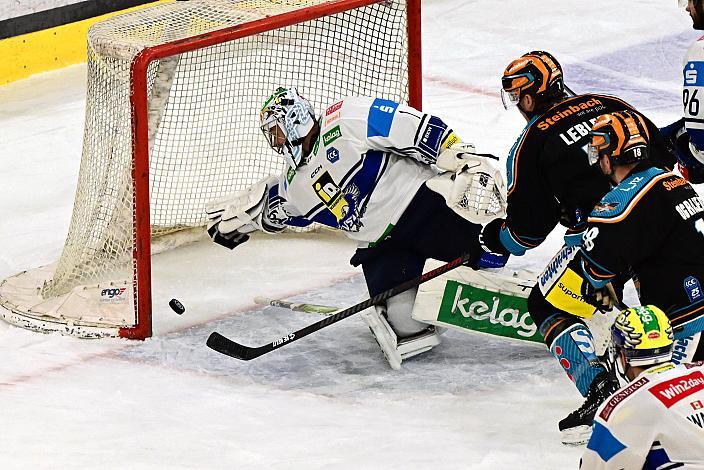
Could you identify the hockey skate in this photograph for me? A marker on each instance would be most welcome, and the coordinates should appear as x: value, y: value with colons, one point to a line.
x: 576, y: 428
x: 396, y: 350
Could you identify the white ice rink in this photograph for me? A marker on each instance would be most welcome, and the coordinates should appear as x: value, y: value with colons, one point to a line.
x: 328, y: 401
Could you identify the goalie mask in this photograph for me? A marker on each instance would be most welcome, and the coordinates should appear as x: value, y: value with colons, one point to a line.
x: 536, y: 73
x: 621, y: 136
x: 286, y: 119
x: 643, y: 335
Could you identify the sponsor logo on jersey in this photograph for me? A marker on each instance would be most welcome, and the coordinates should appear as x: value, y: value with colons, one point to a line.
x: 690, y: 207
x: 671, y: 184
x: 568, y: 111
x: 113, y: 295
x: 316, y: 171
x: 679, y: 350
x: 333, y: 108
x: 697, y: 418
x: 474, y: 308
x: 693, y: 288
x: 333, y: 154
x: 621, y: 395
x: 674, y: 390
x: 343, y: 204
x: 330, y: 119
x: 332, y: 135
x: 290, y: 174
x: 697, y: 405
x: 556, y: 266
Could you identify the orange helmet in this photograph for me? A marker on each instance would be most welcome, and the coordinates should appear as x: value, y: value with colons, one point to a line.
x: 536, y: 73
x: 622, y: 136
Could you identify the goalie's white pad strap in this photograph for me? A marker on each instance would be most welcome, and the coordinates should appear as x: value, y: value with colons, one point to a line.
x: 477, y: 190
x: 384, y: 336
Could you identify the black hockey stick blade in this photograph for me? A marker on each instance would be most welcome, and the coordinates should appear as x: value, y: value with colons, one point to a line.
x: 219, y: 343
x: 223, y: 345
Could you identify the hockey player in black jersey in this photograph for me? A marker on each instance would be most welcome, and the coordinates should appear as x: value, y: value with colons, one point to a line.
x: 650, y: 224
x: 551, y: 181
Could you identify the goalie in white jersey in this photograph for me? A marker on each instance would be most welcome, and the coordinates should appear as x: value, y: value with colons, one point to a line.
x: 657, y: 420
x: 362, y: 168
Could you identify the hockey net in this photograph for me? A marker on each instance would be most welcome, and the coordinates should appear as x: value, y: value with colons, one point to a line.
x: 173, y: 97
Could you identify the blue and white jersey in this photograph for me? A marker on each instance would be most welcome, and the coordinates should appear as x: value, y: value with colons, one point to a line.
x: 370, y: 159
x: 655, y: 422
x: 693, y: 93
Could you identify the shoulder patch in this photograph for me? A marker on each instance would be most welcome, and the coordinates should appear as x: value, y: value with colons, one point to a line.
x: 620, y: 396
x: 619, y: 202
x: 673, y: 390
x: 381, y: 116
x: 604, y: 443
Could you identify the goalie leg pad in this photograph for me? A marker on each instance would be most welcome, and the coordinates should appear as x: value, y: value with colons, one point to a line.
x: 396, y: 350
x: 398, y: 314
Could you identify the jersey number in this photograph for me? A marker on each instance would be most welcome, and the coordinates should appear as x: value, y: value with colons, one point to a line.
x: 690, y: 101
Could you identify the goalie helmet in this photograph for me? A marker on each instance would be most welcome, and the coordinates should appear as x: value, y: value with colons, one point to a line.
x: 644, y: 335
x: 286, y: 119
x: 622, y: 137
x: 536, y: 73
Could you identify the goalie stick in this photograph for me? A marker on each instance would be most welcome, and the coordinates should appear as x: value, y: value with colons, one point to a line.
x: 223, y: 345
x: 296, y: 307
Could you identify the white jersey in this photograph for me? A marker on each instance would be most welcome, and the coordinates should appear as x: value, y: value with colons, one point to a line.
x: 693, y: 93
x: 656, y: 421
x: 370, y: 159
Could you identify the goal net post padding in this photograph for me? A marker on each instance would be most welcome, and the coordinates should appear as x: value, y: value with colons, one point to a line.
x: 172, y: 105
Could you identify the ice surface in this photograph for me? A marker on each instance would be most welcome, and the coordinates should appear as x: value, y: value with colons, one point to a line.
x: 330, y: 400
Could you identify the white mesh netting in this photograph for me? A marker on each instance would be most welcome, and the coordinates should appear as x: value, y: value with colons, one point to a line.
x: 204, y: 137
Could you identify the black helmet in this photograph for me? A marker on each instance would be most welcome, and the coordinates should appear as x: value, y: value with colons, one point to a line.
x: 536, y: 73
x: 622, y: 135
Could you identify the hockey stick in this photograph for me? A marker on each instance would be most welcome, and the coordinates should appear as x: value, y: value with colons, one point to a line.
x: 226, y: 346
x: 296, y: 307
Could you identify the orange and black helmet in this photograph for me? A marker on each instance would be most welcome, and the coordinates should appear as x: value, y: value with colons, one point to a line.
x: 622, y: 136
x: 536, y: 73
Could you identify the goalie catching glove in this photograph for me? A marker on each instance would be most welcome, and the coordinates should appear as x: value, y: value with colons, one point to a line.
x: 471, y: 184
x: 231, y: 218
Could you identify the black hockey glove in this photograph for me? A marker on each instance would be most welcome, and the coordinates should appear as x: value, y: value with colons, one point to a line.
x: 490, y: 257
x: 603, y: 298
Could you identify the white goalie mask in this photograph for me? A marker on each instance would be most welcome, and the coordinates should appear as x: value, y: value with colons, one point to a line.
x: 286, y: 119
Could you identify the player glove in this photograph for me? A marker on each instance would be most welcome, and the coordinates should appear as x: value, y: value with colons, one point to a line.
x: 575, y: 223
x: 231, y: 218
x: 689, y: 160
x: 603, y: 298
x: 491, y: 258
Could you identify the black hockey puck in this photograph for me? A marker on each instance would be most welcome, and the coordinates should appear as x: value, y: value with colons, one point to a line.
x: 177, y: 306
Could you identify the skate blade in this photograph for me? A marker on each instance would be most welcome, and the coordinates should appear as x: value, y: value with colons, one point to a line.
x: 577, y: 436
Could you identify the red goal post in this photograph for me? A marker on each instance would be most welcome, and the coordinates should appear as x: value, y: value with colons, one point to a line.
x: 169, y: 84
